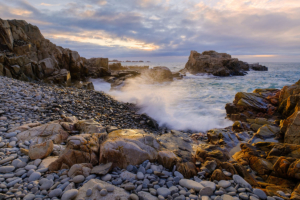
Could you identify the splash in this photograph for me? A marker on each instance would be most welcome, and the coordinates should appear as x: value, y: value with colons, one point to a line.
x: 171, y: 104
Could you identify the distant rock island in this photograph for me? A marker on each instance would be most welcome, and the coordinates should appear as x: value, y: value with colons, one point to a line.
x: 218, y: 64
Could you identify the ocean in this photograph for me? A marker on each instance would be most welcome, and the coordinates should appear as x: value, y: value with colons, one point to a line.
x: 197, y: 102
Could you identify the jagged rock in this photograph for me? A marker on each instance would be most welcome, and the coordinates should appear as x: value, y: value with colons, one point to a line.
x: 82, y: 148
x: 128, y: 147
x: 102, y: 169
x: 267, y: 131
x: 222, y: 137
x: 218, y: 64
x: 6, y: 36
x: 48, y: 65
x: 292, y: 135
x: 59, y: 77
x: 80, y: 169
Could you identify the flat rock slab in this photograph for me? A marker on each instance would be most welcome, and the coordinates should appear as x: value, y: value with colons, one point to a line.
x: 102, y: 169
x: 118, y: 192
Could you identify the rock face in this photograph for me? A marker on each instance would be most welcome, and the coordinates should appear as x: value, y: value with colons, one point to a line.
x: 292, y: 135
x: 218, y: 64
x: 26, y: 55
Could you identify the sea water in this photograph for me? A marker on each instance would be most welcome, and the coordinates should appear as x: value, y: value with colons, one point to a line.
x: 197, y: 102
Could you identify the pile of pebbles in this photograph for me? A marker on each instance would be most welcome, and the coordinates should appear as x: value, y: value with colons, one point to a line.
x: 23, y: 103
x: 22, y: 178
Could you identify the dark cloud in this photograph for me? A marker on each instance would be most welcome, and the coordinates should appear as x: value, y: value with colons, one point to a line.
x: 176, y: 27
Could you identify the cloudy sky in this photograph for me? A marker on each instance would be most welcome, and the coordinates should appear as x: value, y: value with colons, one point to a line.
x: 252, y: 30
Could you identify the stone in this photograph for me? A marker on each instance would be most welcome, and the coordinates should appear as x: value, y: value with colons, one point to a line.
x: 70, y: 194
x: 167, y: 158
x: 191, y: 184
x: 292, y: 134
x: 40, y: 151
x: 48, y: 65
x: 238, y: 179
x: 103, y: 192
x: 6, y: 169
x: 78, y: 169
x: 127, y: 175
x: 78, y: 179
x: 107, y: 177
x: 163, y: 192
x: 224, y: 184
x: 140, y: 175
x: 261, y: 194
x: 55, y: 193
x: 206, y: 191
x: 91, y: 184
x: 102, y: 169
x: 34, y: 176
x: 40, y: 134
x: 146, y: 196
x: 47, y: 185
x: 135, y: 144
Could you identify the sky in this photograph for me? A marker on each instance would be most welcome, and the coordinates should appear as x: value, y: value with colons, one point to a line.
x: 166, y: 30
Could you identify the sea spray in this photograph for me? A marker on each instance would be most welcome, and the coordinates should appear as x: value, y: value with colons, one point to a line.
x: 170, y: 104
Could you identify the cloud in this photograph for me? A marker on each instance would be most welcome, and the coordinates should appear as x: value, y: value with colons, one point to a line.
x: 166, y: 28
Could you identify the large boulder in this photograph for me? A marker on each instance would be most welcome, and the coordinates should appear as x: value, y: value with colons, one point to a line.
x: 218, y: 64
x: 40, y: 134
x: 128, y: 147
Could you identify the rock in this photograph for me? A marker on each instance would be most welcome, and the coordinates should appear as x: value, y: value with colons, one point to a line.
x: 261, y: 194
x: 191, y: 184
x: 78, y: 169
x: 140, y: 175
x: 40, y: 151
x: 224, y: 184
x: 6, y: 169
x: 55, y: 193
x: 135, y: 144
x: 48, y: 65
x: 157, y: 74
x: 218, y: 64
x: 102, y: 169
x: 167, y: 158
x: 206, y: 191
x: 34, y: 176
x: 78, y: 179
x: 146, y: 196
x: 267, y: 131
x: 103, y: 192
x: 61, y: 76
x: 241, y: 181
x: 292, y: 134
x: 209, y: 166
x: 89, y: 126
x: 40, y: 134
x: 47, y: 185
x: 127, y: 175
x: 107, y: 177
x: 133, y: 197
x: 91, y: 184
x: 83, y: 148
x: 70, y: 194
x: 163, y: 192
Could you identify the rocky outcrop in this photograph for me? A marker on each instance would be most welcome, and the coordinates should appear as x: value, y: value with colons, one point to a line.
x: 292, y: 135
x: 260, y: 103
x: 218, y: 64
x: 26, y: 55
